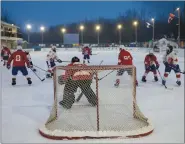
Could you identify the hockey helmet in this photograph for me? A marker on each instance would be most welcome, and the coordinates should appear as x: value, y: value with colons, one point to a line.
x: 170, y: 49
x: 75, y: 59
x: 53, y: 48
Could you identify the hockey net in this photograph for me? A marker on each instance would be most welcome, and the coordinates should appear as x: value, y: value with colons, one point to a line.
x: 115, y: 113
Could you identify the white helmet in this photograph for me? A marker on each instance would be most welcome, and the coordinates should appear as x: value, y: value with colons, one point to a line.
x: 53, y: 48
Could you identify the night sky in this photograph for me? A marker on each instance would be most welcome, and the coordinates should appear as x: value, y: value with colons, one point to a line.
x: 49, y: 13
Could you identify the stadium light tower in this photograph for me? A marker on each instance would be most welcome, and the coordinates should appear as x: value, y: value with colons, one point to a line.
x: 178, y: 9
x: 81, y: 29
x: 98, y: 31
x: 63, y: 30
x: 153, y: 21
x: 119, y: 26
x: 28, y: 27
x: 42, y: 29
x: 135, y: 23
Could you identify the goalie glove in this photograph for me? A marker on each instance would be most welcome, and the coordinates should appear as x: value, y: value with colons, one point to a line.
x: 58, y: 60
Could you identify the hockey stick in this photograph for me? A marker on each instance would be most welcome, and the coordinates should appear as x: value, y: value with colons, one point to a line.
x: 40, y: 68
x: 162, y: 80
x: 37, y: 75
x: 106, y: 75
x: 81, y: 94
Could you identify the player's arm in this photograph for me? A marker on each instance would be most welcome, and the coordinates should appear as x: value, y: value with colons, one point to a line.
x: 147, y: 63
x: 9, y: 52
x: 2, y: 53
x: 156, y: 62
x: 120, y: 58
x: 26, y: 59
x: 175, y: 59
x: 9, y: 61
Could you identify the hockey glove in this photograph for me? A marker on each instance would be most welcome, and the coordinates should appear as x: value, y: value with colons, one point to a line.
x: 58, y: 60
x: 157, y: 66
x: 165, y: 63
x: 148, y: 68
x: 8, y: 66
x: 28, y: 66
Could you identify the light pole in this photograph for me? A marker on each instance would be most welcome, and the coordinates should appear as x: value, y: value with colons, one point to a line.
x: 135, y: 23
x: 63, y: 30
x: 42, y: 29
x: 98, y: 30
x: 153, y: 21
x: 119, y: 28
x: 82, y: 29
x: 28, y: 27
x: 178, y: 9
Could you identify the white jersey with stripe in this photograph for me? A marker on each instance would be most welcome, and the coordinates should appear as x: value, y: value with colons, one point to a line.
x: 171, y: 58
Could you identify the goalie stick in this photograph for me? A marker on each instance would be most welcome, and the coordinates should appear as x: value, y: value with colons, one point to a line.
x: 81, y: 94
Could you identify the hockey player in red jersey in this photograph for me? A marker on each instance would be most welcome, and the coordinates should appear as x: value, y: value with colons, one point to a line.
x: 5, y: 54
x: 151, y: 65
x: 124, y: 58
x: 19, y: 59
x: 86, y: 52
x: 74, y: 79
x: 170, y: 61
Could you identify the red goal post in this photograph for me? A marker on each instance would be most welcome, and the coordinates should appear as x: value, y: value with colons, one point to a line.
x: 116, y: 114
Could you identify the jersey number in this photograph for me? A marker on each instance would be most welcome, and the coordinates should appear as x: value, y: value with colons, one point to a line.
x: 18, y: 58
x: 126, y: 57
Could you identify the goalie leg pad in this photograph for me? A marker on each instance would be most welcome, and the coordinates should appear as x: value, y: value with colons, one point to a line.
x: 85, y: 86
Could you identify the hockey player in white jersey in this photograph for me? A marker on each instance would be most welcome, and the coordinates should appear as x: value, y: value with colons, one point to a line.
x: 30, y: 60
x: 170, y: 61
x: 51, y: 58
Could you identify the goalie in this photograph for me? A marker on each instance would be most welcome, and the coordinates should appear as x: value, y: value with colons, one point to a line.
x: 74, y: 79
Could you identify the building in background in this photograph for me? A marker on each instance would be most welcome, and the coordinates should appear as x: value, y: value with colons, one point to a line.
x: 9, y: 34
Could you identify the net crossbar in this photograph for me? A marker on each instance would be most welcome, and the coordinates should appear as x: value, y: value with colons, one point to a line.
x: 103, y: 111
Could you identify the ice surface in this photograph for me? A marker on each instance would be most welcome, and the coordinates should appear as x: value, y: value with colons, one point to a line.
x: 25, y: 108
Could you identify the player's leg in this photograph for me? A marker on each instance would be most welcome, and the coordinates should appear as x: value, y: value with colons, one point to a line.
x: 166, y: 73
x: 85, y: 86
x: 178, y: 75
x: 85, y: 57
x: 25, y: 73
x: 5, y: 59
x: 69, y: 97
x: 147, y: 70
x: 119, y: 73
x: 129, y: 71
x: 14, y: 74
x: 154, y: 70
x: 88, y: 58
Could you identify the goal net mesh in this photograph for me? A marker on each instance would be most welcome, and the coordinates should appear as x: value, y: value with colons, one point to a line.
x: 88, y: 105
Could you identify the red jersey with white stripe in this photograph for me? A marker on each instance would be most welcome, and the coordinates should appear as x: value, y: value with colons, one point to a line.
x: 5, y: 52
x: 19, y: 58
x: 77, y: 74
x: 150, y: 60
x: 86, y: 51
x: 124, y: 58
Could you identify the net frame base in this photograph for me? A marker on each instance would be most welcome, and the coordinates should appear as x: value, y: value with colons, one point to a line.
x: 76, y: 135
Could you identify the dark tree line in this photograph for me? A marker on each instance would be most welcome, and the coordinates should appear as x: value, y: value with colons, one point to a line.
x: 109, y: 32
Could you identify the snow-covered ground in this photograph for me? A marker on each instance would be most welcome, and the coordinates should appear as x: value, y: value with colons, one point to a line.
x: 25, y: 108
